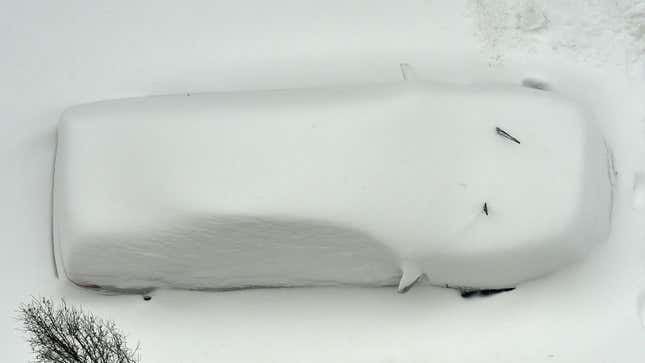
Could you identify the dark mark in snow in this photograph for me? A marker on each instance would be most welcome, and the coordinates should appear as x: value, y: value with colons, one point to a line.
x: 468, y: 293
x: 536, y: 84
x: 147, y: 297
x: 505, y: 134
x: 485, y: 209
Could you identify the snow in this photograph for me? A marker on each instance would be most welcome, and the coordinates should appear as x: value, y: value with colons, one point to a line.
x: 55, y: 56
x: 596, y: 32
x: 328, y: 186
x: 639, y: 191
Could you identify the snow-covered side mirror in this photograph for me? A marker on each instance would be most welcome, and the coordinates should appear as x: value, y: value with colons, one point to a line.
x: 479, y: 187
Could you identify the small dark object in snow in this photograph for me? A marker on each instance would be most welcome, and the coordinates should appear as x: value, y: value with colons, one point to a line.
x: 505, y: 134
x: 535, y: 84
x: 147, y: 297
x: 485, y: 292
x: 468, y: 293
x: 485, y: 209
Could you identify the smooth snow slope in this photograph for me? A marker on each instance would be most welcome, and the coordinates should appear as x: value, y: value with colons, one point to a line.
x: 58, y: 54
x: 344, y: 185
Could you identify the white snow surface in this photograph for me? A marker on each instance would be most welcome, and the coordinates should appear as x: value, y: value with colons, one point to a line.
x: 59, y: 54
x: 598, y: 32
x: 328, y: 186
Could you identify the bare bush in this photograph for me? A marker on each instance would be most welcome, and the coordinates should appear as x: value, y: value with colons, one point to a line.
x: 66, y: 334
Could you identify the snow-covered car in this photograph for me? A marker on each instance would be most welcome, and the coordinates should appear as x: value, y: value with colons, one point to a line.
x: 470, y: 186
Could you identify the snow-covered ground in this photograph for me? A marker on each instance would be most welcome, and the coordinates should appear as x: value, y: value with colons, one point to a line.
x: 54, y: 55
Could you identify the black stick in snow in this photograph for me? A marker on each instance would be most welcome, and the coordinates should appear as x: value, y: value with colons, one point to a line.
x: 505, y: 134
